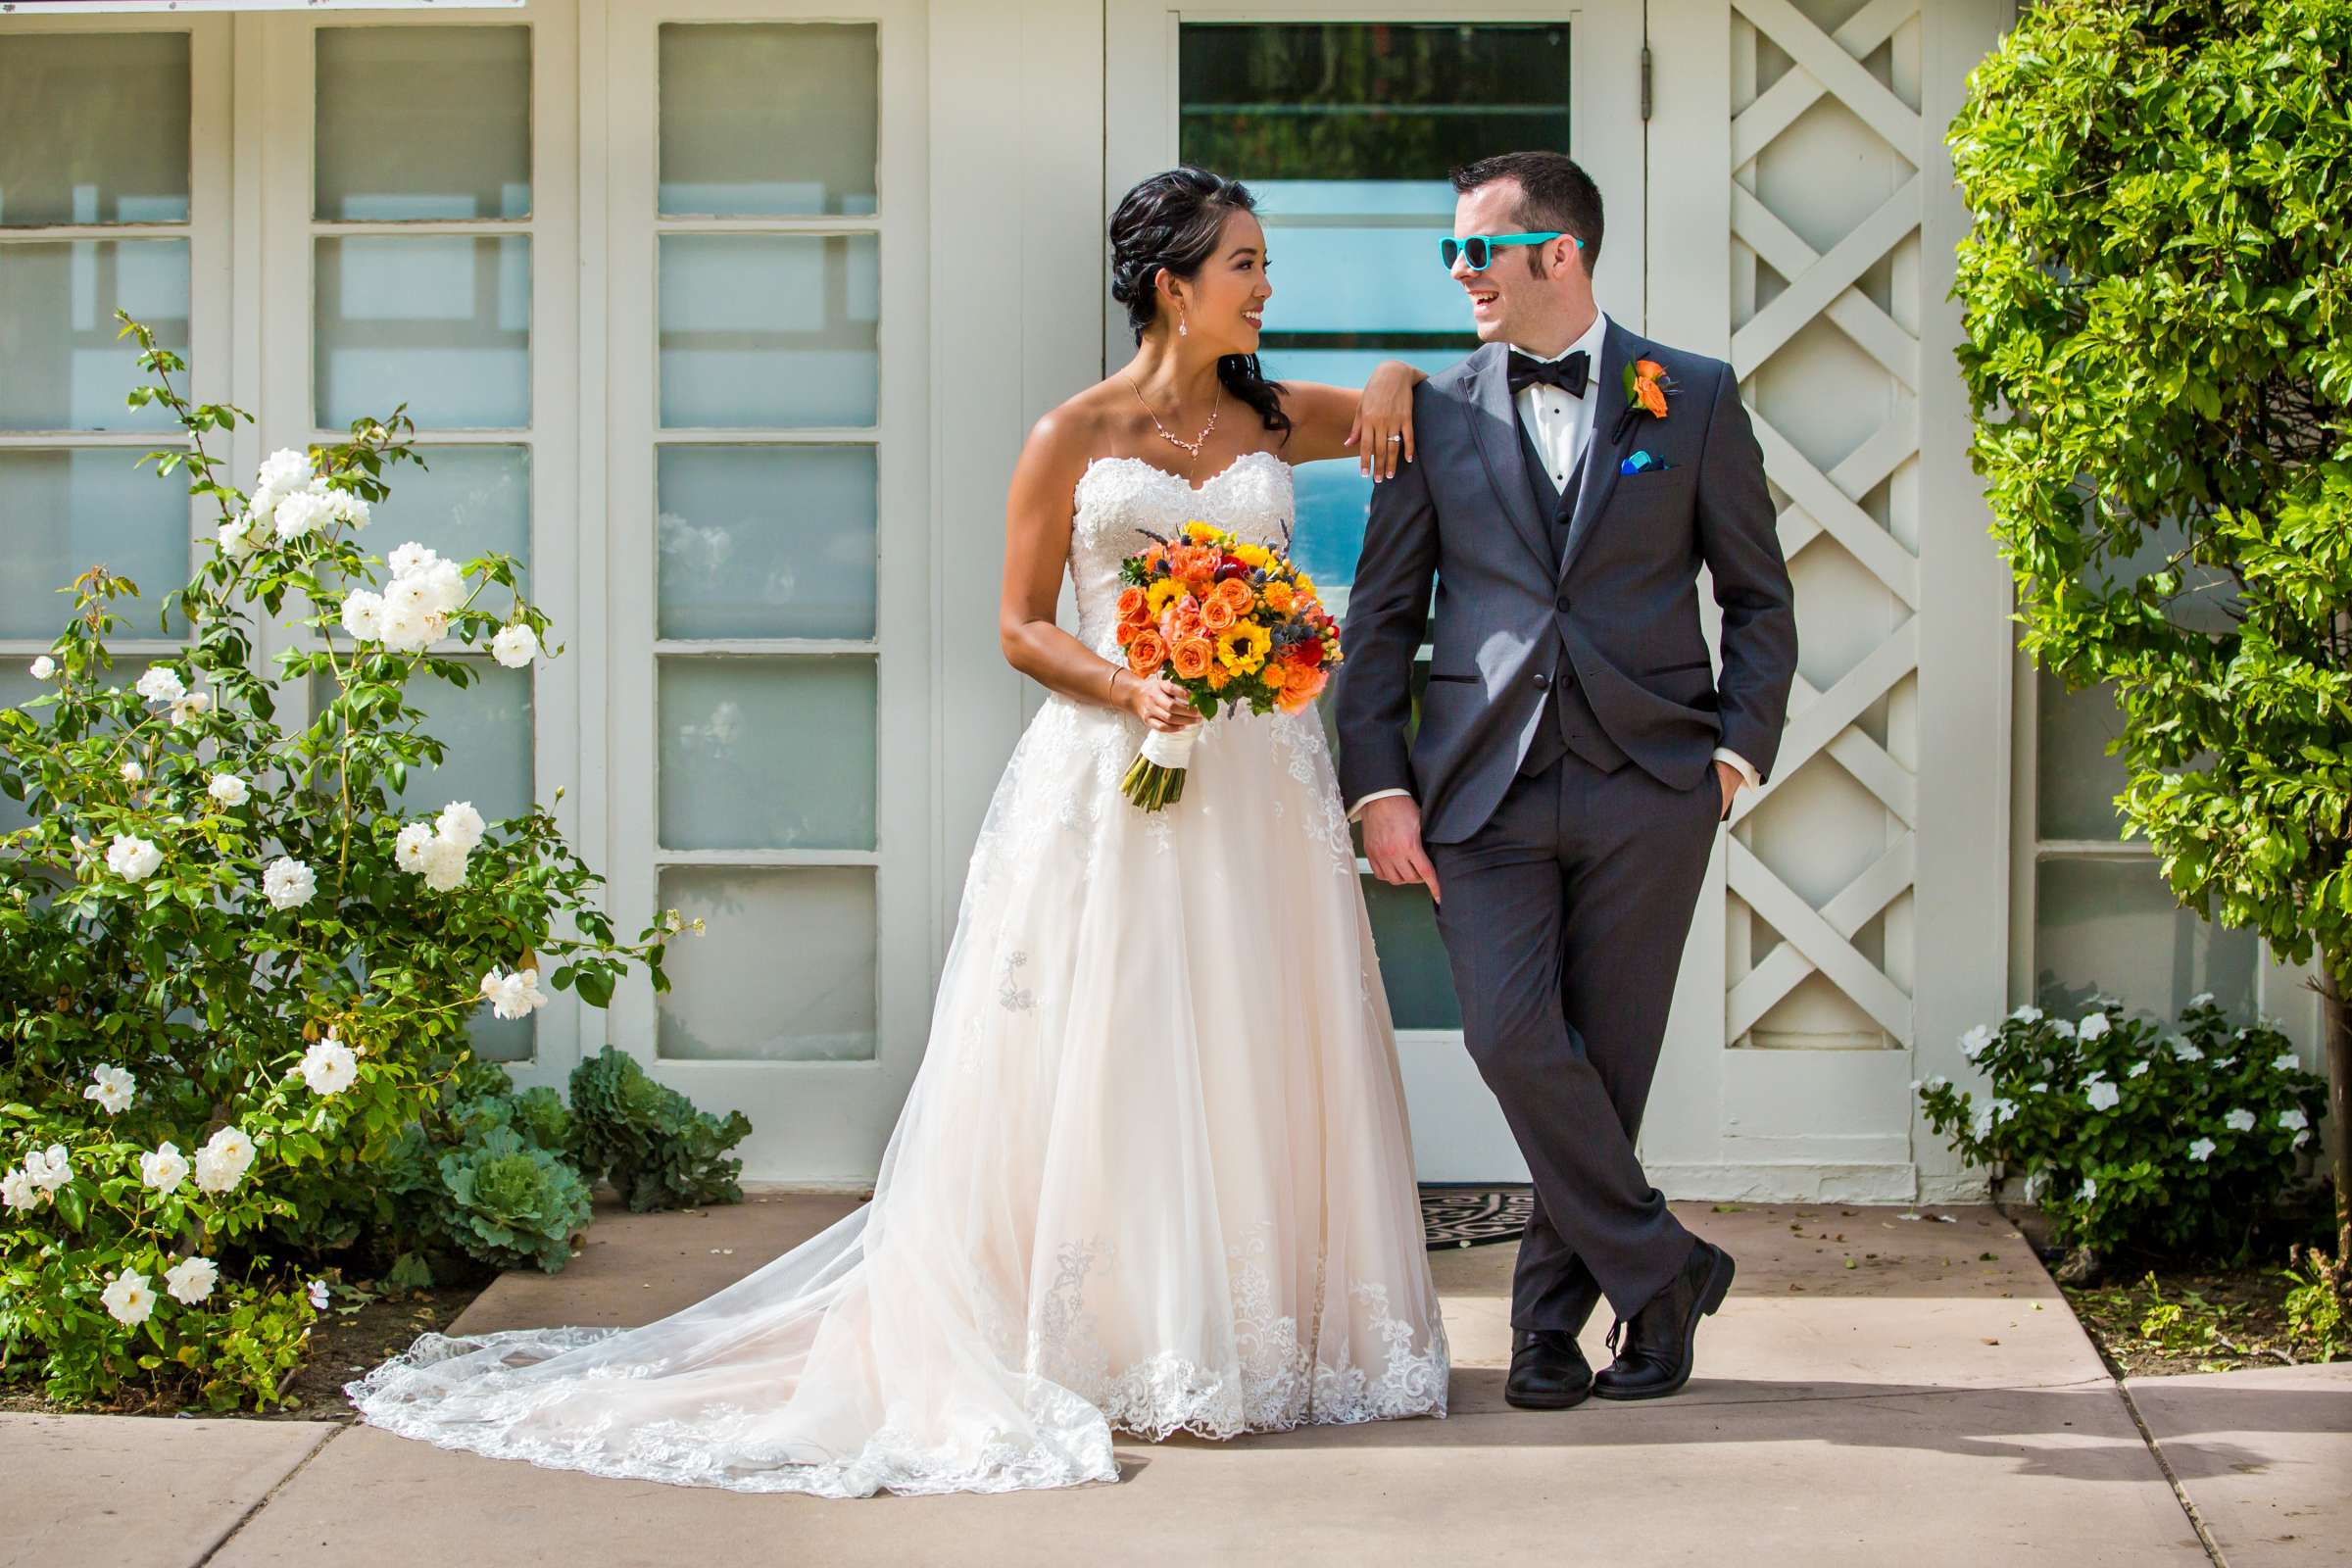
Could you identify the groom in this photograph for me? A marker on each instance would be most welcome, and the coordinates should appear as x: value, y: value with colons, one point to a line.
x: 1576, y: 747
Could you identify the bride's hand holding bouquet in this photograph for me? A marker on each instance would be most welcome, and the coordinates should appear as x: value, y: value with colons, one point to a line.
x: 1225, y: 622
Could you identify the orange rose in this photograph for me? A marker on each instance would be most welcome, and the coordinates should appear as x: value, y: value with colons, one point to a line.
x: 1192, y: 657
x: 1300, y: 692
x: 1194, y: 560
x: 1652, y: 396
x: 1131, y: 604
x: 1147, y: 652
x: 1648, y: 370
x: 1236, y: 592
x: 1128, y: 631
x: 1218, y: 614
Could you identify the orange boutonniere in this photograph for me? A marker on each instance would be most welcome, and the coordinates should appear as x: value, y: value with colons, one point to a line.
x: 1646, y: 384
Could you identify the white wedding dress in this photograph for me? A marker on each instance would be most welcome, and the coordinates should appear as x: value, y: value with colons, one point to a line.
x: 1154, y: 1176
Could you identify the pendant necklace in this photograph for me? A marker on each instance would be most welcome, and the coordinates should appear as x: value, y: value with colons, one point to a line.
x: 1193, y: 446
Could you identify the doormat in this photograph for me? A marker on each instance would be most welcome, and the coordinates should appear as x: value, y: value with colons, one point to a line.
x: 1474, y: 1217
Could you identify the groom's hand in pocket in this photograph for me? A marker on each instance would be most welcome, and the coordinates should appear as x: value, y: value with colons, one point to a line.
x: 1393, y: 844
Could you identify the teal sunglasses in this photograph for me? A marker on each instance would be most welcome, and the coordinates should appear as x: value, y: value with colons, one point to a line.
x: 1479, y: 249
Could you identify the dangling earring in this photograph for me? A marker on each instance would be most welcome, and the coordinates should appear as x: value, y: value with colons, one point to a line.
x: 1180, y: 329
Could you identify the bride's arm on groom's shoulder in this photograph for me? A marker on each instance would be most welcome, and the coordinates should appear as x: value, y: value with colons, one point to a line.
x: 1375, y: 425
x: 1037, y: 551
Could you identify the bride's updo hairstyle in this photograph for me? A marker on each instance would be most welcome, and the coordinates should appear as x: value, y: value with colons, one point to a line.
x: 1172, y: 222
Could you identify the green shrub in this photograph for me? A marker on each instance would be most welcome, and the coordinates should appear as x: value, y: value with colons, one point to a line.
x: 2132, y: 1136
x: 649, y: 1140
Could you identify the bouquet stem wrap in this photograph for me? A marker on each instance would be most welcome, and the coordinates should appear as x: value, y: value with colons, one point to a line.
x: 1156, y: 778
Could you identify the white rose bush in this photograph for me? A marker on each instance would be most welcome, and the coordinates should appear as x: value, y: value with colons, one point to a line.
x: 2133, y: 1134
x: 237, y: 968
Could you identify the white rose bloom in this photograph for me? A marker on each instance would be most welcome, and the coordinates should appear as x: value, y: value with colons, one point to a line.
x: 2104, y: 1095
x: 112, y: 1088
x: 49, y: 1168
x: 514, y: 996
x: 2240, y: 1120
x: 1973, y: 1043
x: 302, y: 514
x: 236, y: 536
x: 319, y: 1296
x: 515, y: 645
x: 2201, y: 1149
x: 2063, y: 1028
x: 2027, y: 1015
x: 189, y: 707
x: 161, y: 684
x: 1984, y: 1121
x: 408, y: 849
x: 44, y: 667
x: 2093, y: 1027
x: 191, y: 1280
x: 283, y: 472
x: 404, y: 628
x: 444, y: 864
x: 363, y: 615
x: 445, y: 584
x: 461, y: 823
x: 127, y: 1299
x: 2186, y: 1050
x: 2090, y: 1187
x: 2293, y: 1119
x: 17, y: 1190
x: 2136, y: 1070
x: 411, y: 558
x: 288, y: 882
x: 330, y: 1067
x: 224, y: 1159
x: 132, y: 858
x: 131, y: 772
x: 165, y: 1169
x: 347, y: 507
x: 229, y: 788
x: 2284, y: 1061
x: 413, y: 592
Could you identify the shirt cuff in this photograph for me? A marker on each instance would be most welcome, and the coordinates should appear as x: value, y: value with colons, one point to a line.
x: 1746, y: 772
x: 1355, y: 812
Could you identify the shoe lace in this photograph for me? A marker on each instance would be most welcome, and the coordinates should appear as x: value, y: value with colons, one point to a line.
x: 1616, y: 1327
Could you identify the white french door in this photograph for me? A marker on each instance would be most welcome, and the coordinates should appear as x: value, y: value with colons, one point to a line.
x: 765, y: 510
x: 1344, y: 120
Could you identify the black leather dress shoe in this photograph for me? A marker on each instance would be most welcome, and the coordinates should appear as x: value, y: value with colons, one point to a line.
x: 1549, y: 1371
x: 1655, y: 1358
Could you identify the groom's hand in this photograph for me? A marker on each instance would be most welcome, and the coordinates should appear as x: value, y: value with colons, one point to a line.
x: 1392, y: 843
x: 1727, y: 777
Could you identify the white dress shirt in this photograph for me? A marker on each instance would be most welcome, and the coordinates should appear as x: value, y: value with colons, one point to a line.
x: 1561, y: 427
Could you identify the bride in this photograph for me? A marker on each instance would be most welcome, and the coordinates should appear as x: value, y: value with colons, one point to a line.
x: 1154, y: 1174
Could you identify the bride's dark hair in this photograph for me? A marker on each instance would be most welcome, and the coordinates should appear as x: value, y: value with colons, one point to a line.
x: 1172, y: 222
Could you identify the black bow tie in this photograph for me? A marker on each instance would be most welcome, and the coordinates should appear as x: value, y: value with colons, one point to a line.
x: 1568, y: 375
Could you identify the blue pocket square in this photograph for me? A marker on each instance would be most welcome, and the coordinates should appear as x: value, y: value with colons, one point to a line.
x: 1642, y: 463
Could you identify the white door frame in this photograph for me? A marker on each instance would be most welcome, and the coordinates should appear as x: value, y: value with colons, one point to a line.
x: 1459, y: 1132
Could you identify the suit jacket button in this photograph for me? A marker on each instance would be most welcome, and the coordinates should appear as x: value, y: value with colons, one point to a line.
x: 1542, y: 681
x: 1562, y: 602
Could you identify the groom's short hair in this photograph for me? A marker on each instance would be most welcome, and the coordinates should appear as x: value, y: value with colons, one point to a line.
x: 1555, y: 192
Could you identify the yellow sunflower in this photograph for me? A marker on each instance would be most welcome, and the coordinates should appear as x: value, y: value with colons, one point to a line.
x: 1199, y: 532
x: 1243, y: 647
x: 1161, y: 594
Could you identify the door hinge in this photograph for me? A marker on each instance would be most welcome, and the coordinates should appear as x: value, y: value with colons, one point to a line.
x: 1645, y: 84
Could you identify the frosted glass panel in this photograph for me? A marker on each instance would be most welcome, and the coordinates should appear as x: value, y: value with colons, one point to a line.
x: 496, y: 1038
x: 767, y: 542
x: 1412, y: 957
x: 761, y: 118
x: 486, y: 730
x: 93, y: 128
x: 769, y: 329
x: 2113, y: 926
x: 2077, y: 781
x: 767, y: 753
x: 62, y: 368
x: 440, y: 321
x: 62, y: 513
x: 423, y: 122
x: 470, y: 501
x: 784, y: 972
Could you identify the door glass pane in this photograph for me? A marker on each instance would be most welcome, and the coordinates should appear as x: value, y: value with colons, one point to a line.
x: 769, y: 329
x: 17, y: 687
x: 423, y: 122
x: 485, y: 731
x: 766, y: 753
x: 468, y: 502
x: 1412, y: 960
x: 93, y: 129
x: 1346, y: 132
x: 762, y: 118
x: 2076, y: 780
x: 767, y: 541
x: 62, y: 366
x: 440, y: 320
x: 65, y: 512
x: 2112, y: 925
x: 784, y: 972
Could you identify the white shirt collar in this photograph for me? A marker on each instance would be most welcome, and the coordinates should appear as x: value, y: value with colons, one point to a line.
x: 1589, y: 343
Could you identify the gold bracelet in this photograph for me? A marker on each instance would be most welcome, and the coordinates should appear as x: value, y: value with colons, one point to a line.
x: 1110, y: 687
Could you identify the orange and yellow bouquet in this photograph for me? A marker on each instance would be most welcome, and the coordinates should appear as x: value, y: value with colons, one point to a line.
x: 1230, y: 621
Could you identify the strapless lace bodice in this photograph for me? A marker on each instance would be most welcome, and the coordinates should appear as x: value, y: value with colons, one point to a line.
x: 1119, y: 500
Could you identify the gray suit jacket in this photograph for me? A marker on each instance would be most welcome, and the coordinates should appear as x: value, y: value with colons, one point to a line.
x: 1615, y: 610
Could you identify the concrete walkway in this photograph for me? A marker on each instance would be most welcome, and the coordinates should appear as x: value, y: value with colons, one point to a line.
x: 1927, y: 1405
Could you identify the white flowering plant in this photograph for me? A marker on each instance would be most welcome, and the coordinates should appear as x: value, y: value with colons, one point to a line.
x: 235, y: 967
x: 2133, y: 1134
